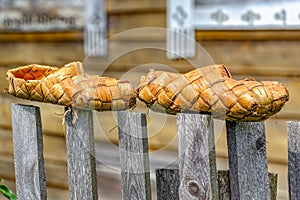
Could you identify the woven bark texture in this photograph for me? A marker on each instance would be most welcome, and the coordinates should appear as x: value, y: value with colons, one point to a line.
x: 70, y: 86
x: 212, y: 90
x: 209, y: 89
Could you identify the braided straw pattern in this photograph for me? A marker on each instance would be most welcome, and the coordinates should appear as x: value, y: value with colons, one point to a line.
x: 70, y: 86
x: 212, y: 90
x: 103, y: 93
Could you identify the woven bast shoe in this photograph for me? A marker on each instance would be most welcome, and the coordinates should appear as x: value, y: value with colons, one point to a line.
x: 70, y: 86
x: 103, y: 93
x: 212, y: 90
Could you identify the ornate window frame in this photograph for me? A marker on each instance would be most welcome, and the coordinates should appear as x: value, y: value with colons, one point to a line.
x: 185, y: 17
x: 95, y: 43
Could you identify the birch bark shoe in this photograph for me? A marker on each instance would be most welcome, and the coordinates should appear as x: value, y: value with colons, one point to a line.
x: 212, y: 90
x: 70, y: 86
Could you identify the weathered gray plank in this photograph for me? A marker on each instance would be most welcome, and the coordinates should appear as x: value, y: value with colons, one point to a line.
x: 81, y: 155
x: 273, y: 185
x: 28, y: 152
x: 197, y: 163
x: 167, y: 183
x: 134, y: 158
x: 294, y: 160
x: 224, y: 185
x: 248, y: 166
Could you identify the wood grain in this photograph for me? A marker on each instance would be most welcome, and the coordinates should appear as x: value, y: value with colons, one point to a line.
x: 248, y: 166
x: 273, y: 185
x: 247, y: 35
x: 271, y: 53
x: 275, y: 126
x: 294, y: 160
x: 115, y: 7
x: 52, y: 193
x: 134, y: 158
x: 197, y: 162
x: 167, y: 183
x: 66, y: 36
x: 56, y: 174
x: 124, y: 56
x: 144, y: 35
x: 54, y: 147
x: 224, y: 185
x: 81, y: 155
x: 28, y: 152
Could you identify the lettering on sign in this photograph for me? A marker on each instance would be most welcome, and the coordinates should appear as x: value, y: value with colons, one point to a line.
x: 38, y: 19
x: 48, y: 15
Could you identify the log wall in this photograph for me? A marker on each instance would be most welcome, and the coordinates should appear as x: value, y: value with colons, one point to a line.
x: 264, y: 55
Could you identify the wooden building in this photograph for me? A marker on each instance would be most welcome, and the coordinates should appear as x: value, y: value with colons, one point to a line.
x: 260, y: 54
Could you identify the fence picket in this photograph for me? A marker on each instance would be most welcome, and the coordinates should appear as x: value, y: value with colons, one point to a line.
x: 273, y: 185
x: 248, y: 166
x: 81, y: 155
x: 28, y: 152
x: 197, y: 162
x: 248, y: 176
x: 224, y: 185
x: 134, y: 158
x: 167, y: 182
x: 294, y: 160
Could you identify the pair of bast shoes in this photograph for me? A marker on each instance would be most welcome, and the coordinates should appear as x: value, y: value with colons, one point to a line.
x: 209, y: 89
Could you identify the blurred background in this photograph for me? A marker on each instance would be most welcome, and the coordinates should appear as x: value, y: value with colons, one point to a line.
x: 238, y: 34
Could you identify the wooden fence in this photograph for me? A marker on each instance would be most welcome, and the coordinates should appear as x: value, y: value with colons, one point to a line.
x: 196, y: 177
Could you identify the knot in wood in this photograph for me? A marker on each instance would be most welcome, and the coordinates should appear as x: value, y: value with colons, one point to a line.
x: 193, y: 188
x: 260, y: 143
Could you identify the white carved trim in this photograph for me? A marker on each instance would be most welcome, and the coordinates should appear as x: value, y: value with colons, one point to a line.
x: 250, y: 16
x: 180, y: 31
x: 95, y: 43
x: 184, y: 17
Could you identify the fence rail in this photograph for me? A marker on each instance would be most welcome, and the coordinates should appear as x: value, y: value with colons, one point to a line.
x: 195, y: 178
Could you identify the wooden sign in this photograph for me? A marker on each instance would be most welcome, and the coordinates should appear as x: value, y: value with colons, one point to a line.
x: 58, y: 15
x: 42, y: 15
